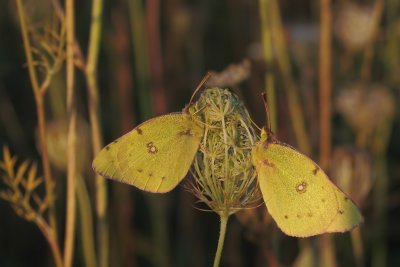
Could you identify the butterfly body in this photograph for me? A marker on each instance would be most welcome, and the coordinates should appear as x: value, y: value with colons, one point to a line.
x: 298, y: 194
x: 156, y: 155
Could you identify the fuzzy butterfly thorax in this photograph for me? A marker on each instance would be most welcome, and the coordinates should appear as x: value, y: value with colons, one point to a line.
x: 224, y: 177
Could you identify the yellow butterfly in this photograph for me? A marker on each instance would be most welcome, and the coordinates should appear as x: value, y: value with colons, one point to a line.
x: 156, y: 155
x: 298, y: 194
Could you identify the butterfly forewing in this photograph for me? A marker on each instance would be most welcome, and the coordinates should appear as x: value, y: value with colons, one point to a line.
x: 155, y: 156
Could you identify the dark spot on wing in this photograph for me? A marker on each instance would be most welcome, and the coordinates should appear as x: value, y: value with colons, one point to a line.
x: 309, y: 214
x: 151, y: 148
x: 107, y: 148
x: 115, y: 141
x: 140, y: 170
x: 301, y: 187
x: 340, y: 211
x: 150, y: 174
x: 322, y: 200
x: 298, y: 216
x: 163, y: 178
x: 315, y: 171
x: 346, y: 198
x: 139, y: 131
x: 286, y: 217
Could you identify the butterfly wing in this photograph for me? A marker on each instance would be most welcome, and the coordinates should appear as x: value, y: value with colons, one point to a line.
x: 299, y: 195
x: 155, y: 156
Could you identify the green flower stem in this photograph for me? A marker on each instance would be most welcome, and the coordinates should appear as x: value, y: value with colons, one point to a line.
x: 224, y: 221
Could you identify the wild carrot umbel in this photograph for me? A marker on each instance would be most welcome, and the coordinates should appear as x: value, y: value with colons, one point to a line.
x: 224, y: 177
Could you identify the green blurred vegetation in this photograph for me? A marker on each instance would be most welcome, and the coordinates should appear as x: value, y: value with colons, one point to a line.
x: 152, y: 54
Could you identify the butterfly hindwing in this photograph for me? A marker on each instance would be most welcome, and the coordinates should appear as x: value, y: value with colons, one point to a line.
x: 155, y: 156
x: 298, y: 194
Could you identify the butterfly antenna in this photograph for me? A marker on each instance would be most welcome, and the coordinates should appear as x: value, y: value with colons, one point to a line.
x: 203, y: 81
x: 264, y: 97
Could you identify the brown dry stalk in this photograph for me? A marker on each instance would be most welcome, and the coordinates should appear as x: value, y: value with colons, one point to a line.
x: 49, y: 183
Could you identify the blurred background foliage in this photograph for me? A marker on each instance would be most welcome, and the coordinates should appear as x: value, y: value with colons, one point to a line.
x: 331, y: 73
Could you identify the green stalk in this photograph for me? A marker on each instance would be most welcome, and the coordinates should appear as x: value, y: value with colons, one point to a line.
x: 223, y: 222
x: 141, y: 55
x: 142, y: 69
x: 92, y: 86
x: 270, y: 90
x: 71, y: 151
x: 86, y: 222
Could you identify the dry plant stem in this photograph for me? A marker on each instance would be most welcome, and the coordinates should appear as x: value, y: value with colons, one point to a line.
x: 325, y: 87
x: 264, y: 6
x: 223, y: 222
x: 327, y: 251
x: 296, y: 112
x: 356, y: 241
x: 325, y: 82
x: 86, y: 222
x: 49, y: 183
x: 92, y: 86
x: 123, y: 203
x: 71, y: 111
x: 49, y: 235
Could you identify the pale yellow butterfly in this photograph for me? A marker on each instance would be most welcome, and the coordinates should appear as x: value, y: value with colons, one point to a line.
x: 298, y: 194
x: 156, y: 155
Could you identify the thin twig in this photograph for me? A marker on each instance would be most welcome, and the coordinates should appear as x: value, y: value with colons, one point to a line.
x: 49, y: 234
